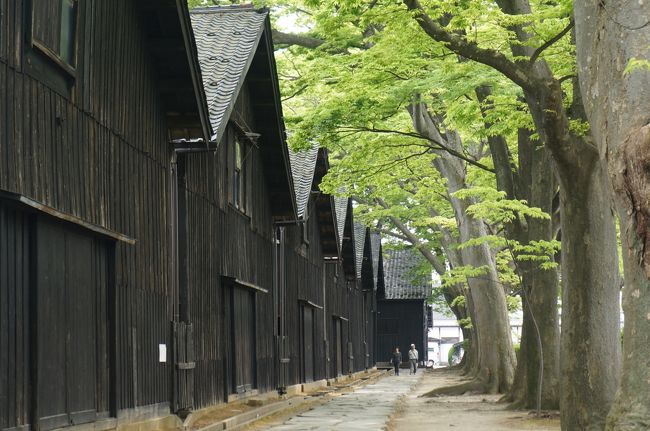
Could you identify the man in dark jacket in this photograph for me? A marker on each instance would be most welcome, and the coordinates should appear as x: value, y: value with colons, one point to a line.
x: 396, y: 360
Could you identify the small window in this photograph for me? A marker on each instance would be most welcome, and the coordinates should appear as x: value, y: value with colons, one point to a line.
x: 239, y: 175
x: 54, y: 28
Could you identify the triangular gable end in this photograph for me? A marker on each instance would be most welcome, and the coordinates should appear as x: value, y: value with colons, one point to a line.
x: 341, y: 206
x: 398, y: 277
x: 303, y: 164
x: 375, y: 241
x: 325, y: 209
x: 226, y: 39
x: 359, y: 242
x: 234, y: 47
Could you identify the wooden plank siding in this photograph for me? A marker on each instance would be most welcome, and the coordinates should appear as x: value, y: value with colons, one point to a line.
x: 224, y: 242
x: 99, y: 153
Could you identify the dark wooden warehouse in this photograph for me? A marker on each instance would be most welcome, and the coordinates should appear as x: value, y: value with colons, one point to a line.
x: 402, y: 305
x: 88, y: 103
x: 158, y: 252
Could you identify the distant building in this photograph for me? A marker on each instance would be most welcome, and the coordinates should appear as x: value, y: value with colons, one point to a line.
x: 444, y: 332
x: 402, y: 305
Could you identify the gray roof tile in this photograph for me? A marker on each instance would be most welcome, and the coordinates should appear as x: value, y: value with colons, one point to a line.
x: 341, y: 207
x: 399, y: 276
x: 375, y: 243
x: 226, y: 39
x: 303, y: 164
x: 359, y: 242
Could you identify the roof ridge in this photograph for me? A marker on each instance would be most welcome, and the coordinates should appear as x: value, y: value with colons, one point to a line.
x: 246, y: 7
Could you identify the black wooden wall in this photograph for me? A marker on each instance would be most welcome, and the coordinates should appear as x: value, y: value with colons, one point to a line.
x: 97, y: 151
x: 14, y: 323
x: 401, y: 322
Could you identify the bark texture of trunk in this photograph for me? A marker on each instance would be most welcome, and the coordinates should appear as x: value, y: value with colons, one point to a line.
x: 608, y: 36
x: 590, y: 347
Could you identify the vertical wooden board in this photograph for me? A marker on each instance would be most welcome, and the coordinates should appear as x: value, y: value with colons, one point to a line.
x: 11, y: 309
x: 3, y: 30
x: 5, y: 226
x: 4, y: 130
x: 28, y: 162
x: 18, y: 130
x: 100, y: 273
x: 45, y: 142
x: 10, y: 160
x: 24, y: 333
x: 81, y: 348
x: 51, y: 318
x: 14, y: 36
x: 37, y: 149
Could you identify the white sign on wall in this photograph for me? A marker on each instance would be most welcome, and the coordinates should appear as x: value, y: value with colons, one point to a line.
x: 162, y: 352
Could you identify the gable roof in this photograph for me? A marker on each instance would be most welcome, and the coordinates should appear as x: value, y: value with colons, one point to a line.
x: 341, y: 208
x: 344, y: 223
x: 359, y: 242
x: 303, y: 164
x: 325, y: 209
x: 226, y: 38
x: 235, y: 49
x: 375, y: 244
x: 399, y: 266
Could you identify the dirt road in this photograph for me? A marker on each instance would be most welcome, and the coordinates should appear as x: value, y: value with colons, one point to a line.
x: 461, y: 413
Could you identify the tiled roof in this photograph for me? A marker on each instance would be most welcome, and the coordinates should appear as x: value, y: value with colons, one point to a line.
x: 375, y: 243
x: 359, y: 241
x: 341, y: 207
x: 302, y: 169
x: 399, y: 276
x: 226, y: 39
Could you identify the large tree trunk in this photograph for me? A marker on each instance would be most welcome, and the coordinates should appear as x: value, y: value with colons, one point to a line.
x: 590, y: 348
x: 608, y: 35
x: 492, y: 340
x: 533, y: 180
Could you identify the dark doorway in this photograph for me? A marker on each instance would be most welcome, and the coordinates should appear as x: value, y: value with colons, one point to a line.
x: 241, y: 316
x: 307, y: 343
x: 71, y: 339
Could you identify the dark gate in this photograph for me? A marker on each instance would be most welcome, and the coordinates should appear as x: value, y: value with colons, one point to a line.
x: 243, y: 345
x: 71, y: 326
x: 307, y: 350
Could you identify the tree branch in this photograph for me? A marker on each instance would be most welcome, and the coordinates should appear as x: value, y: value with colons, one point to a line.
x: 551, y: 41
x: 461, y: 46
x: 281, y: 38
x: 436, y: 144
x: 415, y: 241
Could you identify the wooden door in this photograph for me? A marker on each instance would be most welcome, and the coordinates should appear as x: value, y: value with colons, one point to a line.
x: 307, y: 351
x: 337, y: 344
x: 244, y: 364
x: 70, y: 340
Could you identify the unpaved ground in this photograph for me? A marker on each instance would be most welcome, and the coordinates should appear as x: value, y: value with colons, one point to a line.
x: 461, y: 413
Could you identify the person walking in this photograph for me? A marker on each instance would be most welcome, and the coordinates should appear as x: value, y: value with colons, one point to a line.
x: 396, y: 360
x: 413, y: 360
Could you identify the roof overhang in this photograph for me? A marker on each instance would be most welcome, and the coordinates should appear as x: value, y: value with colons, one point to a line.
x: 171, y: 45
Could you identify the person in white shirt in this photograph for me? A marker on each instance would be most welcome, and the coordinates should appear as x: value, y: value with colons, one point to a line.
x: 413, y: 359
